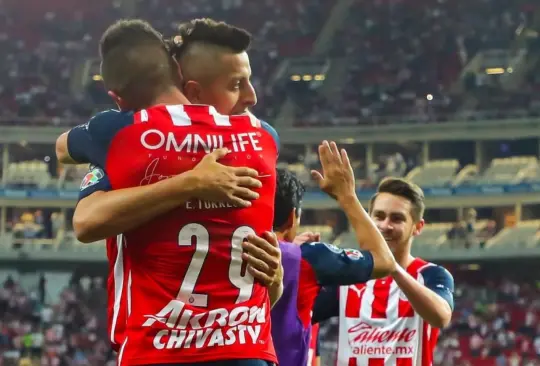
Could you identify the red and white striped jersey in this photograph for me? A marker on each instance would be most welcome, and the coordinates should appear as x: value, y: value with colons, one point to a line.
x: 180, y: 280
x: 379, y: 327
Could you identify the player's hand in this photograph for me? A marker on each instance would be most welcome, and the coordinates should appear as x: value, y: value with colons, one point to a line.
x: 307, y: 237
x: 337, y: 176
x: 220, y: 183
x: 263, y: 257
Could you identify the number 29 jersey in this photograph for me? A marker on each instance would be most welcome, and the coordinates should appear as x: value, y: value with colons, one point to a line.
x: 190, y: 296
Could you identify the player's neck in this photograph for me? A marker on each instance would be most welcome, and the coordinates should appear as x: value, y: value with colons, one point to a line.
x: 172, y: 96
x: 403, y: 257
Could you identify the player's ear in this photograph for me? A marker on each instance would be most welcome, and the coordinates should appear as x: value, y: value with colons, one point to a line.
x: 192, y: 90
x: 119, y: 101
x: 291, y: 220
x: 418, y: 227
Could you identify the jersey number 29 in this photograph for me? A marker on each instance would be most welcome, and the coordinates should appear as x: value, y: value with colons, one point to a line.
x: 240, y: 279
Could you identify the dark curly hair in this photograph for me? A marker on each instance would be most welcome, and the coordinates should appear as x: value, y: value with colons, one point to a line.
x: 289, y: 195
x: 210, y: 32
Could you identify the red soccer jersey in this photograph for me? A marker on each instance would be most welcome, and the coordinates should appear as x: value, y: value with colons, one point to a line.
x: 379, y: 327
x: 190, y: 296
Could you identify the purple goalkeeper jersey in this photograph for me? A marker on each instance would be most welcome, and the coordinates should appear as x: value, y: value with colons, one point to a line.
x: 291, y: 338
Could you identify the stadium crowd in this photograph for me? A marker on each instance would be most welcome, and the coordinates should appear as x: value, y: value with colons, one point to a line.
x: 70, y: 330
x: 494, y: 324
x: 409, y: 56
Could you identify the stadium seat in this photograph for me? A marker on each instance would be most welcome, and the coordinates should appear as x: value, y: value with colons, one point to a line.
x: 523, y: 235
x: 29, y: 173
x: 435, y: 173
x: 506, y: 170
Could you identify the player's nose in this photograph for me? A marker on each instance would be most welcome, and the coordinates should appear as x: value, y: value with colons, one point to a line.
x: 384, y: 226
x: 249, y: 96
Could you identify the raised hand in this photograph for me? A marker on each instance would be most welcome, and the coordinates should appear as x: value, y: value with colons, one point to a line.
x: 337, y: 176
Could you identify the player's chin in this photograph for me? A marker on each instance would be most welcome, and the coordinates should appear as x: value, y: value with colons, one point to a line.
x: 392, y: 243
x: 239, y: 111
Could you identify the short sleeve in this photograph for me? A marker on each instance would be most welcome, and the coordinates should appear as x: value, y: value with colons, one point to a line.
x: 335, y: 266
x: 95, y: 180
x: 440, y: 281
x: 89, y: 142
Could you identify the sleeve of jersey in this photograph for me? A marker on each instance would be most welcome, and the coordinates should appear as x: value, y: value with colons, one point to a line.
x: 335, y: 266
x: 326, y: 305
x: 88, y: 143
x: 272, y: 132
x: 95, y: 180
x: 440, y: 281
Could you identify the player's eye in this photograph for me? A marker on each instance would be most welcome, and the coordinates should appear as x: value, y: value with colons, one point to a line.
x: 398, y: 219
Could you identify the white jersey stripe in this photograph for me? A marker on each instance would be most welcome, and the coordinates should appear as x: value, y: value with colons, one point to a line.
x: 121, y: 353
x: 179, y: 116
x: 118, y: 276
x: 219, y: 119
x: 129, y: 294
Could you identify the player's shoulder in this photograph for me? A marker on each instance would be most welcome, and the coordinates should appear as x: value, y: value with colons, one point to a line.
x: 111, y: 115
x: 432, y: 271
x: 268, y: 127
x: 271, y: 131
x: 108, y: 121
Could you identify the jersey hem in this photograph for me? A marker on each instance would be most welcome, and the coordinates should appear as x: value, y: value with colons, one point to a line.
x: 269, y: 357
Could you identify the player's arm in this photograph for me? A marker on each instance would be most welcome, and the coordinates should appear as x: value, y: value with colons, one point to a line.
x: 62, y: 153
x: 433, y: 300
x: 102, y: 212
x: 337, y: 180
x: 328, y: 265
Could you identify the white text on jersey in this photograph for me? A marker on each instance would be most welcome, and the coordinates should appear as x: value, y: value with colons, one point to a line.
x: 215, y: 328
x: 193, y: 143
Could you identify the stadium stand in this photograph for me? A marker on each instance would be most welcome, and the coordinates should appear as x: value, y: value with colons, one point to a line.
x: 69, y: 330
x: 407, y: 67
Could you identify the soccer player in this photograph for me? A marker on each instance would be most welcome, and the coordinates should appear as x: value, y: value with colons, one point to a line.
x: 191, y: 298
x: 226, y: 46
x: 229, y: 90
x: 205, y: 41
x: 393, y: 320
x: 307, y: 267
